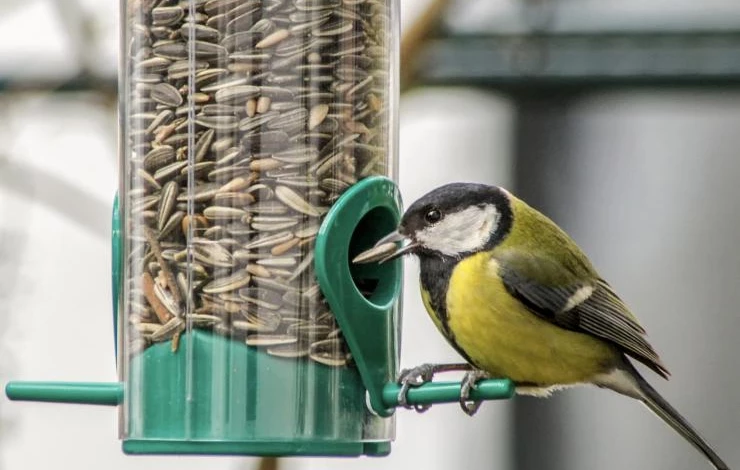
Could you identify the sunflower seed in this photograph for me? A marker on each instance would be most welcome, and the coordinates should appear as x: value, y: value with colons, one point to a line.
x: 227, y: 284
x: 174, y: 221
x: 293, y: 200
x: 173, y: 50
x: 253, y: 59
x: 302, y: 266
x: 218, y: 212
x: 273, y: 38
x: 268, y: 141
x: 290, y: 121
x: 207, y: 50
x: 241, y: 41
x: 276, y: 261
x: 220, y: 123
x: 269, y: 340
x: 202, y: 146
x: 298, y: 181
x: 167, y: 203
x: 158, y: 157
x: 317, y: 115
x: 168, y: 330
x: 144, y: 203
x: 291, y: 351
x: 153, y: 64
x: 271, y: 224
x: 236, y: 94
x: 148, y: 179
x: 269, y: 240
x: 306, y: 329
x: 199, y: 32
x: 244, y: 20
x: 166, y: 298
x: 168, y: 171
x: 257, y: 270
x: 166, y: 94
x: 284, y: 247
x: 167, y: 16
x: 231, y: 199
x: 202, y: 320
x: 213, y: 254
x: 329, y: 352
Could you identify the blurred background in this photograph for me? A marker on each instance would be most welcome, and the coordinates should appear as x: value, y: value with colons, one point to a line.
x: 618, y: 119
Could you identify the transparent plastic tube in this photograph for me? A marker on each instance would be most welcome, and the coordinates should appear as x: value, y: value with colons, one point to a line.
x: 243, y: 122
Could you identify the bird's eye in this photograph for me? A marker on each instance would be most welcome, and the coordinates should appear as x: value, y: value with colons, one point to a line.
x: 432, y: 216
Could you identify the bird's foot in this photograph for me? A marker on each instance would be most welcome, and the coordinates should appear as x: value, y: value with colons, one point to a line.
x: 470, y: 407
x: 414, y: 377
x: 420, y: 375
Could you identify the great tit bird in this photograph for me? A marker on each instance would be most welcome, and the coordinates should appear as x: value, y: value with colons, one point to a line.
x: 517, y: 298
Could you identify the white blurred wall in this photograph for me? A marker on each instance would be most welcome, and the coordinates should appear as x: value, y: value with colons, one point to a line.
x: 648, y: 183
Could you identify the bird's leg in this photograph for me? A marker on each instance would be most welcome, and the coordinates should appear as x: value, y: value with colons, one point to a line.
x: 468, y: 384
x: 420, y: 375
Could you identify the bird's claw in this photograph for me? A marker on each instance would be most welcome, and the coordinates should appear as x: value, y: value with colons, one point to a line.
x: 414, y: 377
x: 469, y: 383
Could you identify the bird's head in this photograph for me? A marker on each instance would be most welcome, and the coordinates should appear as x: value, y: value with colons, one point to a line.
x: 451, y: 221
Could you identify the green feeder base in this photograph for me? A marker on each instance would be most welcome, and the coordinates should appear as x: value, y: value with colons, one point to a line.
x: 225, y: 397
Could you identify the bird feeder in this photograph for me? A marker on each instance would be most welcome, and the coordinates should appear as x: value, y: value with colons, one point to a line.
x: 257, y: 158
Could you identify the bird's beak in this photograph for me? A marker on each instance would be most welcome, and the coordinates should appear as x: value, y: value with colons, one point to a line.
x: 386, y: 249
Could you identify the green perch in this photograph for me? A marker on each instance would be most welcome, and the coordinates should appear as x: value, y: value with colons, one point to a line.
x: 111, y: 394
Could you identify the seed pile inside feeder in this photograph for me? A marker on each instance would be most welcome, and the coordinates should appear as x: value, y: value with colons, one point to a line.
x: 245, y: 121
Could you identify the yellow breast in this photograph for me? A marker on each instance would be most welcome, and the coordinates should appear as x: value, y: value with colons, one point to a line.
x: 501, y: 336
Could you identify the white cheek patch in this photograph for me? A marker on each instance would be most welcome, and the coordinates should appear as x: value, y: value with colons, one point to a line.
x: 460, y: 232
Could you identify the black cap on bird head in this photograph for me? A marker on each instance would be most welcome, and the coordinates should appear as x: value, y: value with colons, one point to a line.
x: 451, y: 221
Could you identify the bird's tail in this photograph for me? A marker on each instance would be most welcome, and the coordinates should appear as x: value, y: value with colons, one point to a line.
x: 658, y: 405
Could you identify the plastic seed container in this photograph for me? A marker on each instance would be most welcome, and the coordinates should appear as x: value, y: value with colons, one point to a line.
x: 245, y: 123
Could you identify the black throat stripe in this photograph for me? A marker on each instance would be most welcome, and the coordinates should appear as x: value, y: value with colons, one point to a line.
x: 435, y: 274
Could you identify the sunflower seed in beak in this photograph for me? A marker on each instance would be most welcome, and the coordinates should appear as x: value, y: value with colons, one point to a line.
x: 375, y: 253
x: 385, y: 249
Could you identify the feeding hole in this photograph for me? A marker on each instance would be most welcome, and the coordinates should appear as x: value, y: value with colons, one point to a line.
x: 376, y: 282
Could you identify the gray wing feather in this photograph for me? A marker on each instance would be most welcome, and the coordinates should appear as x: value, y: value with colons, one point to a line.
x: 601, y: 314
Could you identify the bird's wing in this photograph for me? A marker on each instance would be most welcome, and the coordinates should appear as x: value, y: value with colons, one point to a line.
x: 555, y: 293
